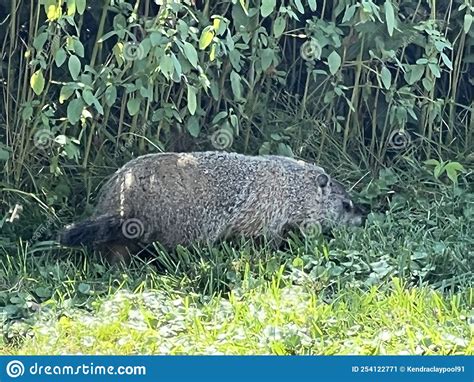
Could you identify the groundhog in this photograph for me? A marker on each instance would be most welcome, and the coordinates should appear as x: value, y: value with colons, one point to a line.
x: 186, y: 198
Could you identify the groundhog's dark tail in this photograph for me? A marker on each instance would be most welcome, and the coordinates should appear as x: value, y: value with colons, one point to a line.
x: 100, y: 229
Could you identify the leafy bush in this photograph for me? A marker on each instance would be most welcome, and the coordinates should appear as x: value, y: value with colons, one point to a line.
x: 93, y: 79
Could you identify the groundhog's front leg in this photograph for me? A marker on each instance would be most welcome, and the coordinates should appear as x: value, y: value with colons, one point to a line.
x: 274, y: 235
x: 275, y: 243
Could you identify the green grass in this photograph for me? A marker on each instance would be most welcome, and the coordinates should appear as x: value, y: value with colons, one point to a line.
x: 400, y: 285
x: 276, y: 318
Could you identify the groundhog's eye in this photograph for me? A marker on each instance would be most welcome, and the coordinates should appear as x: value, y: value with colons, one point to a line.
x: 347, y: 205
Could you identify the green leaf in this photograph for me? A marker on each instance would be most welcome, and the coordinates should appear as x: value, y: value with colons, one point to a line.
x: 267, y: 7
x: 299, y: 6
x: 167, y: 66
x: 193, y: 126
x: 447, y: 61
x: 88, y: 97
x: 234, y: 121
x: 39, y: 40
x: 74, y: 66
x: 37, y: 82
x: 110, y: 95
x: 440, y: 45
x: 312, y: 5
x: 285, y: 150
x: 349, y: 13
x: 66, y: 92
x: 192, y: 99
x: 78, y: 48
x: 438, y: 170
x: 60, y: 57
x: 467, y: 22
x: 412, y: 113
x: 98, y: 106
x: 435, y: 70
x: 334, y: 62
x: 156, y: 39
x: 414, y: 74
x: 236, y: 85
x: 455, y: 166
x: 4, y: 154
x: 107, y: 36
x: 431, y: 162
x: 235, y: 59
x: 417, y: 73
x: 422, y: 61
x: 191, y: 54
x: 267, y: 56
x: 390, y: 17
x: 453, y: 169
x: 453, y: 175
x: 178, y: 70
x: 71, y: 7
x: 43, y: 292
x: 84, y: 288
x: 219, y: 117
x: 215, y: 90
x: 27, y: 112
x: 206, y: 37
x: 427, y: 84
x: 279, y: 26
x: 74, y: 110
x: 386, y: 77
x: 147, y: 91
x: 80, y: 6
x: 133, y: 106
x: 220, y: 25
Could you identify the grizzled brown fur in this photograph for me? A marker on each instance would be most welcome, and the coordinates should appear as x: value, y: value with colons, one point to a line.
x: 184, y: 198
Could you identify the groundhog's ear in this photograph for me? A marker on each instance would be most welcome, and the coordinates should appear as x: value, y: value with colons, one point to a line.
x: 323, y: 180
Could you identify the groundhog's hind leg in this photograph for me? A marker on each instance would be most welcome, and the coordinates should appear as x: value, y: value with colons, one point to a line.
x: 115, y: 253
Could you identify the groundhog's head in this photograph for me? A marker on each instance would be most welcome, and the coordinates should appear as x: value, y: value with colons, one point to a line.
x: 336, y: 206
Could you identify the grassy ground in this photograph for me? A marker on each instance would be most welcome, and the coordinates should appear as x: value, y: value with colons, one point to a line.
x: 400, y: 285
x: 272, y: 318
